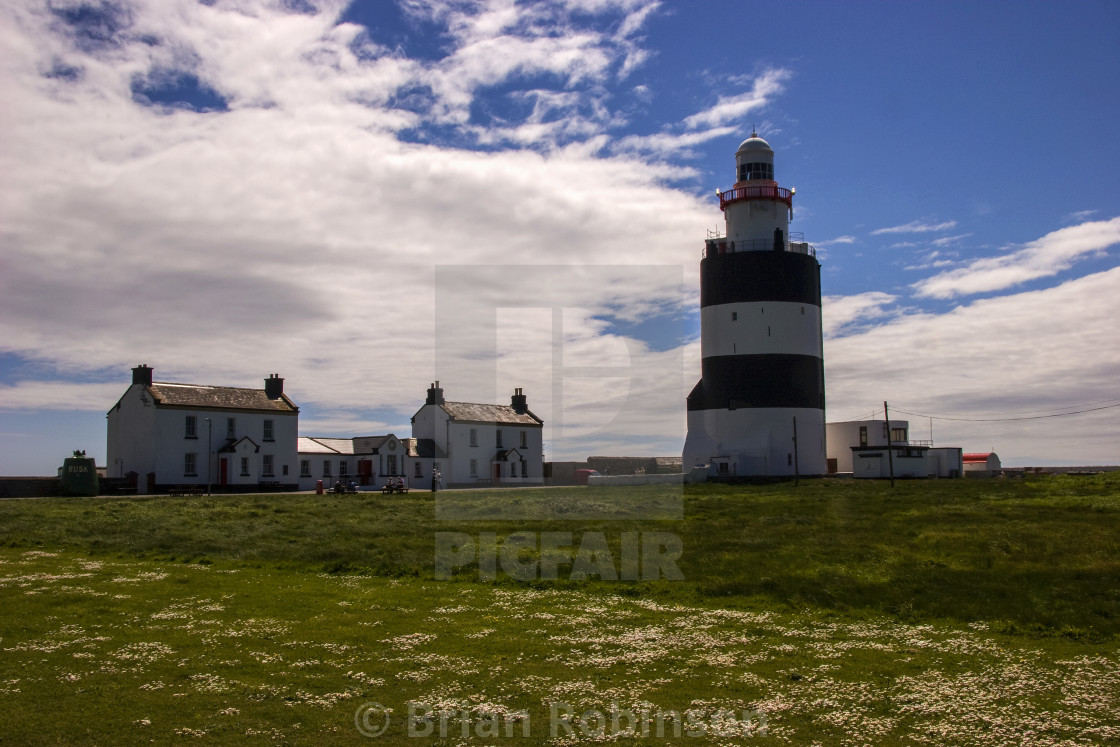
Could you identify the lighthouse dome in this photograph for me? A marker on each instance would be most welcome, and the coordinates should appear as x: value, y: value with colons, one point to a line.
x: 754, y: 143
x: 754, y: 160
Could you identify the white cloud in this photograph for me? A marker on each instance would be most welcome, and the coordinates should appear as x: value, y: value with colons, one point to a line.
x: 730, y: 109
x: 1044, y: 257
x: 842, y: 313
x: 295, y: 233
x: 916, y: 227
x: 1002, y: 356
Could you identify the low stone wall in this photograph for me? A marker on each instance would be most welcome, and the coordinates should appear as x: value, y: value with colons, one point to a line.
x: 695, y: 476
x: 29, y: 487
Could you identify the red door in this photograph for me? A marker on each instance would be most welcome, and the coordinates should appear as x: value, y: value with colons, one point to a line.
x: 497, y: 473
x: 225, y: 466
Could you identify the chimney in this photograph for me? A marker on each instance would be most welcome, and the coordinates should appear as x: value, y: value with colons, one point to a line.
x: 274, y: 386
x: 518, y: 401
x: 435, y: 395
x: 142, y: 375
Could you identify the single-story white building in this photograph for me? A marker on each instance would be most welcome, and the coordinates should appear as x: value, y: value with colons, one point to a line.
x: 867, y: 448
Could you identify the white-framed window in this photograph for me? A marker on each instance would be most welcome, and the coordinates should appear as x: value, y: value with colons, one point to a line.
x: 419, y: 470
x: 326, y: 468
x: 498, y: 438
x: 191, y: 426
x: 474, y: 468
x: 305, y: 468
x: 524, y: 440
x: 244, y: 466
x: 190, y: 464
x: 231, y: 427
x: 391, y: 464
x: 513, y: 469
x: 284, y: 470
x: 343, y: 468
x: 474, y: 436
x: 268, y: 430
x: 898, y: 435
x: 266, y: 465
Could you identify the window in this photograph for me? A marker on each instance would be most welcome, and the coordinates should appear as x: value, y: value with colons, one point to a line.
x: 474, y: 468
x: 343, y: 468
x: 268, y: 431
x: 391, y: 464
x: 305, y: 468
x: 419, y: 470
x: 524, y: 440
x: 898, y: 435
x: 474, y: 436
x: 513, y: 469
x: 863, y: 435
x: 244, y: 466
x: 231, y: 427
x: 266, y: 465
x: 734, y: 316
x: 191, y: 427
x: 190, y: 464
x: 326, y: 468
x: 284, y: 470
x: 498, y: 437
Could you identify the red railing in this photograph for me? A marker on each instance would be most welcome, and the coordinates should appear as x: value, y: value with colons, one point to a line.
x: 741, y: 194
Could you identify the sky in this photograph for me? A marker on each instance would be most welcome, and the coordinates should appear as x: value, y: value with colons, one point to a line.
x: 366, y: 197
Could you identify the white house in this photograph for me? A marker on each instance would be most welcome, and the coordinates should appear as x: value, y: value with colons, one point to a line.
x: 163, y: 434
x: 369, y: 461
x: 860, y: 447
x: 478, y: 444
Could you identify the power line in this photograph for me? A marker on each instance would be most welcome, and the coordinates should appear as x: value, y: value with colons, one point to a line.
x: 1004, y: 420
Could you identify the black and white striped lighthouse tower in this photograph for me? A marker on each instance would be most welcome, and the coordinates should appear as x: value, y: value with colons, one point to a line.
x: 760, y: 336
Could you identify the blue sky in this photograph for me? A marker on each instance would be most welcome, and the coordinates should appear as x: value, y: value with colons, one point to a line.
x: 224, y: 190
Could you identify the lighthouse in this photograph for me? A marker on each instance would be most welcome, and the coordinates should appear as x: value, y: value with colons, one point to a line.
x: 758, y: 409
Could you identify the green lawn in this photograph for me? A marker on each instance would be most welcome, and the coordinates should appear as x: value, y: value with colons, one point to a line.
x: 940, y: 612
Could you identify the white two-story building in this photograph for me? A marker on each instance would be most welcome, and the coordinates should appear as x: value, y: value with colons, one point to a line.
x: 477, y: 444
x: 162, y: 435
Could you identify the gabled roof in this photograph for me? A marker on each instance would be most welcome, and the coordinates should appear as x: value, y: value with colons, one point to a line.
x: 470, y: 412
x: 166, y: 394
x: 504, y: 455
x: 232, y: 444
x: 308, y: 445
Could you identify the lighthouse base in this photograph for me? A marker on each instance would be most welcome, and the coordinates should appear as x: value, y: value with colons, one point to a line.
x: 756, y: 442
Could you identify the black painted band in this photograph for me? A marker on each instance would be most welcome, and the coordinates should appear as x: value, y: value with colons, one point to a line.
x: 748, y: 277
x: 746, y: 381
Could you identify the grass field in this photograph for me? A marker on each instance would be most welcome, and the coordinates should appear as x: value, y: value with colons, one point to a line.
x: 940, y: 612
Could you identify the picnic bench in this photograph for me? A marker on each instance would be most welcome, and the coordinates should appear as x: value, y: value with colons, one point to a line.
x: 391, y: 488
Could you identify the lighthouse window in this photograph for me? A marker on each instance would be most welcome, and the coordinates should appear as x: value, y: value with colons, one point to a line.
x: 734, y: 315
x: 748, y: 171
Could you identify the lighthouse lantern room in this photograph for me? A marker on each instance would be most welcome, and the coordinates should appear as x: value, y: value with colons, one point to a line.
x: 758, y: 409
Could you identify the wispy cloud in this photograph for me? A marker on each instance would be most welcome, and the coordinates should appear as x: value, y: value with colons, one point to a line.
x: 916, y: 227
x: 730, y: 109
x: 1047, y: 256
x: 845, y: 313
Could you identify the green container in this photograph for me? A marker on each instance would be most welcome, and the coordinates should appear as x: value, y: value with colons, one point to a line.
x: 79, y: 476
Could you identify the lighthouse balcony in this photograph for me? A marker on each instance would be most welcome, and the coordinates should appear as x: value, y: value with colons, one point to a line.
x: 761, y: 192
x: 722, y: 245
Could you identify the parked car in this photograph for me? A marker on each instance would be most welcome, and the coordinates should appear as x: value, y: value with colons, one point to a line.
x: 583, y: 474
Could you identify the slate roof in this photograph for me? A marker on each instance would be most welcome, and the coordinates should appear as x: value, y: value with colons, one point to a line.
x: 217, y: 397
x: 425, y: 448
x: 476, y: 413
x: 307, y: 445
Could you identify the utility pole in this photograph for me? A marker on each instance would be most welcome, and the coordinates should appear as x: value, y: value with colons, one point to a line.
x: 890, y: 452
x: 209, y: 450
